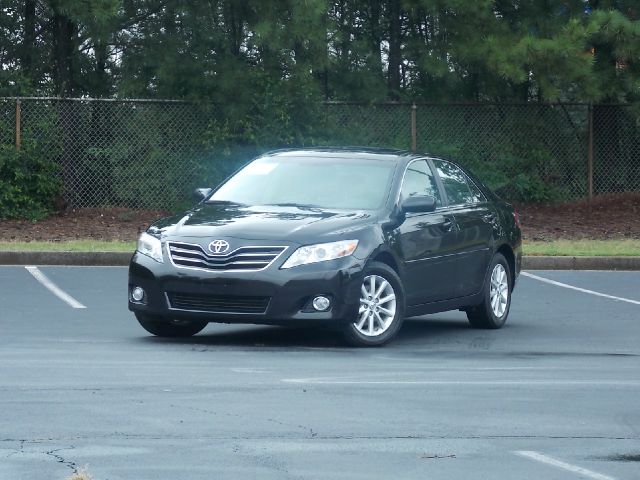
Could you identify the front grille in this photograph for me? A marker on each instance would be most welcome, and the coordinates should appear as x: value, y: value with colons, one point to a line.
x: 218, y: 303
x: 251, y: 258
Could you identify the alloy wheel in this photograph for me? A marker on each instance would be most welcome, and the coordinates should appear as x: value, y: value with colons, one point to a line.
x: 377, y: 306
x: 499, y: 290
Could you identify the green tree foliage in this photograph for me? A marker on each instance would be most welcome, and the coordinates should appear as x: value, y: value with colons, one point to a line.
x: 364, y: 50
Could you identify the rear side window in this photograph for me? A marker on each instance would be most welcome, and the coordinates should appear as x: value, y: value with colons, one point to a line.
x: 456, y: 184
x: 419, y: 180
x: 476, y: 193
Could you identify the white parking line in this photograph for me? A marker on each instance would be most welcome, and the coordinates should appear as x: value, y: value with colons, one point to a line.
x: 528, y: 383
x: 583, y: 290
x: 538, y: 457
x: 53, y: 288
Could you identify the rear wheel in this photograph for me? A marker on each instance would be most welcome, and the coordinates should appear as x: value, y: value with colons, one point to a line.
x: 494, y: 309
x: 162, y: 327
x: 381, y: 308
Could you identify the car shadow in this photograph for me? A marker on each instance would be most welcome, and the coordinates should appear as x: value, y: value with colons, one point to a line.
x: 414, y: 330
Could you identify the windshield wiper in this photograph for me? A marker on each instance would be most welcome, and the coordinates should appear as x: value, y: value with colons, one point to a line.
x: 226, y: 202
x: 294, y: 204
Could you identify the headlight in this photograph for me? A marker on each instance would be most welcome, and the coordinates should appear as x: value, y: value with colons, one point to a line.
x: 320, y: 253
x: 150, y: 246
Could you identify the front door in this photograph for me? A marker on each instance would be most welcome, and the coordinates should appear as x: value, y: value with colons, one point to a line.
x: 426, y: 241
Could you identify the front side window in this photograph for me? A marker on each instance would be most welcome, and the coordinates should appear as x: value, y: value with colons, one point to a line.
x: 456, y: 184
x: 419, y: 180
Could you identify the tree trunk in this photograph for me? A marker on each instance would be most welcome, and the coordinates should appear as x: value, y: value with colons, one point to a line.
x: 375, y: 38
x: 101, y: 87
x: 29, y: 39
x: 321, y: 57
x: 64, y: 39
x: 394, y: 49
x: 234, y: 23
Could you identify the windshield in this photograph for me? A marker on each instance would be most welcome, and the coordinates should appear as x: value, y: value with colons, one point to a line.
x: 339, y: 183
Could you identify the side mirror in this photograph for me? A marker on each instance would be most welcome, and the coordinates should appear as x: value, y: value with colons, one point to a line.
x: 419, y: 203
x: 200, y: 194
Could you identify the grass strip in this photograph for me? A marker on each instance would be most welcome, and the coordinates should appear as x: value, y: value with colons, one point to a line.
x: 69, y: 246
x: 584, y: 248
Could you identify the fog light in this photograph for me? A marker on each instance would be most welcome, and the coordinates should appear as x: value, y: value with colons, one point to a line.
x: 321, y: 303
x: 137, y: 294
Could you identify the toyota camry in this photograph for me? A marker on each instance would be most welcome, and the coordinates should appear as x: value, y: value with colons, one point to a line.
x: 355, y: 239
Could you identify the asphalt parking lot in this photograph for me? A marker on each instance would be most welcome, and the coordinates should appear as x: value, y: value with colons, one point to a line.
x: 553, y: 395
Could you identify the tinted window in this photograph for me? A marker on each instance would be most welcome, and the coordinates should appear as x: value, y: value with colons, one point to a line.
x: 340, y: 183
x: 456, y: 185
x: 476, y: 194
x: 419, y: 180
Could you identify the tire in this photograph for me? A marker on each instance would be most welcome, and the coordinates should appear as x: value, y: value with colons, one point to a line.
x: 162, y: 327
x: 377, y: 322
x: 497, y: 284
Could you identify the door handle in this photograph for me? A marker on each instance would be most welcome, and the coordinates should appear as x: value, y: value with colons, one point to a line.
x: 489, y: 217
x: 447, y: 225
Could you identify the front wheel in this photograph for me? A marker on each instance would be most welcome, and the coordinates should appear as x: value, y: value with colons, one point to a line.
x: 494, y: 309
x: 381, y: 308
x: 169, y: 328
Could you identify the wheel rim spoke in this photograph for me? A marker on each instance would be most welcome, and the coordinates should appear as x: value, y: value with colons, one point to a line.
x: 360, y: 324
x: 382, y: 286
x: 380, y: 321
x: 386, y: 299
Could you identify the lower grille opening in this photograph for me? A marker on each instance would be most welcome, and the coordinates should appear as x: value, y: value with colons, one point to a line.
x: 218, y: 303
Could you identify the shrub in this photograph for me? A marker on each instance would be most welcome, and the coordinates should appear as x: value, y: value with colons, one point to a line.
x: 29, y: 181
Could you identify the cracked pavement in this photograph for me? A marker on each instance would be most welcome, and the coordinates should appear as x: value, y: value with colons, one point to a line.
x: 90, y: 388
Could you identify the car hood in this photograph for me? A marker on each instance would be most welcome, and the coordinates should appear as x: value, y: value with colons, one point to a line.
x: 301, y: 225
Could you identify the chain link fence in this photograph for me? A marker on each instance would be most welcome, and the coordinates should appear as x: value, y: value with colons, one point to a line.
x: 616, y: 148
x: 151, y: 154
x: 525, y: 152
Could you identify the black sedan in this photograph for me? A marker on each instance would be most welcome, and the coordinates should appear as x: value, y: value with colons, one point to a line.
x: 357, y: 239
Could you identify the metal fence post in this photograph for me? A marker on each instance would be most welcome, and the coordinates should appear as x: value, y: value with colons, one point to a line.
x: 590, y: 153
x: 414, y: 129
x: 18, y: 124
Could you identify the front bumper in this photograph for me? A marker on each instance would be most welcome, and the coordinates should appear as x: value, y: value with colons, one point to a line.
x: 289, y: 291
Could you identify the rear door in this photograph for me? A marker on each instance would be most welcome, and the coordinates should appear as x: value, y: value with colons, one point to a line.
x: 476, y: 220
x: 426, y: 241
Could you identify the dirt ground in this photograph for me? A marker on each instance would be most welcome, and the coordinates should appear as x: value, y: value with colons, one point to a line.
x: 608, y: 217
x: 86, y: 223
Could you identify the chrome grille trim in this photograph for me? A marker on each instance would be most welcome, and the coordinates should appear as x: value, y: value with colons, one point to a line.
x: 252, y: 258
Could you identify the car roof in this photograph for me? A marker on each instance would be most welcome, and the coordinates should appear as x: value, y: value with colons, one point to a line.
x: 372, y: 153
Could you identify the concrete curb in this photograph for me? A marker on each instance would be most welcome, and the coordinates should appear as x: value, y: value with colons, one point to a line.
x: 66, y: 258
x: 122, y: 258
x: 580, y: 263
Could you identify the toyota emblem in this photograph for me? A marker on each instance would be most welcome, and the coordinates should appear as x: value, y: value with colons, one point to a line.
x: 218, y: 246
